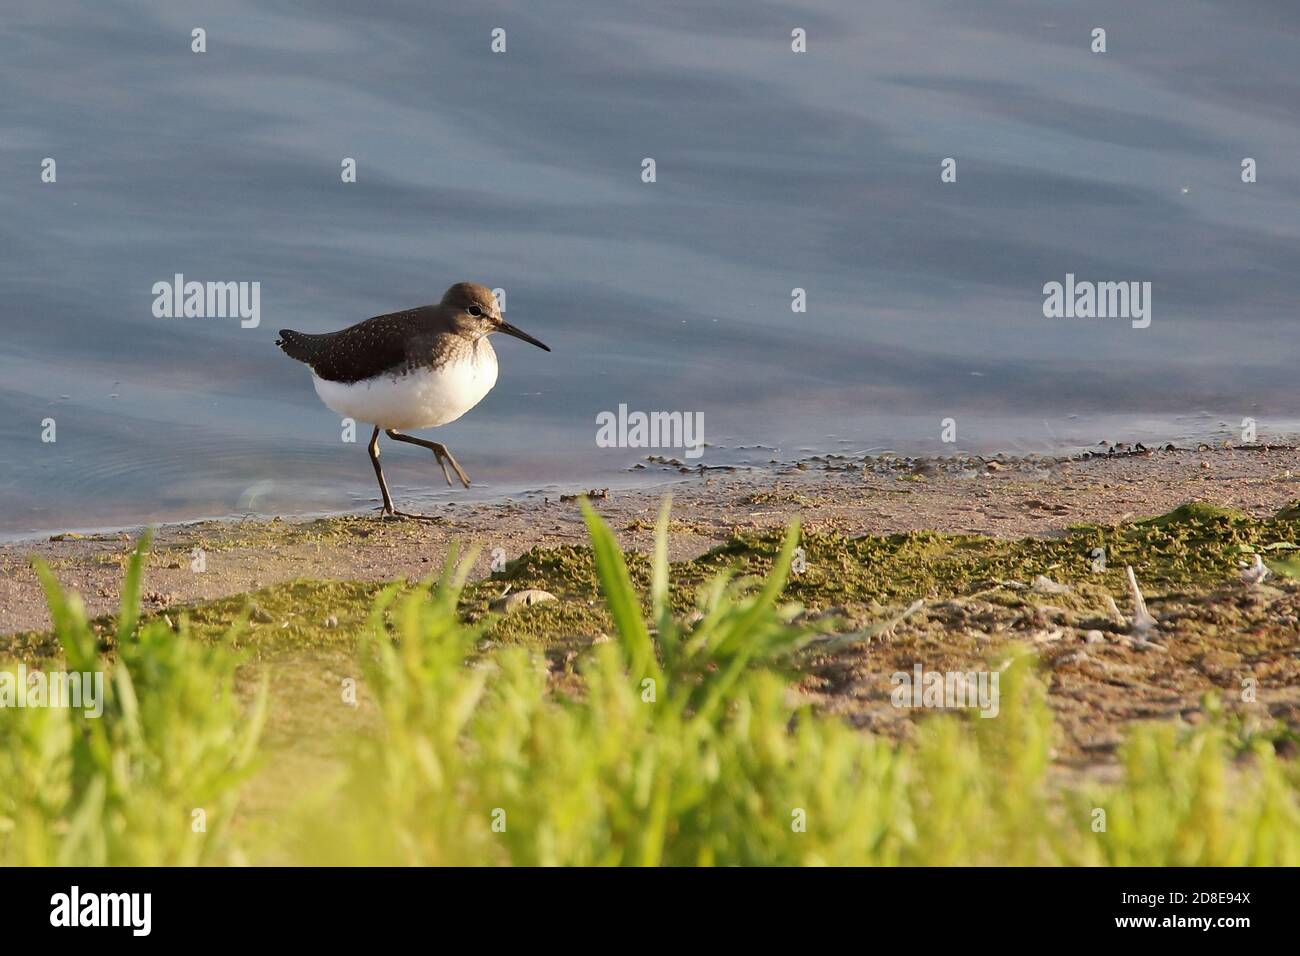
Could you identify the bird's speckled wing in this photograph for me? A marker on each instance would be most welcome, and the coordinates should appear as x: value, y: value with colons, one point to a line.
x: 386, y: 343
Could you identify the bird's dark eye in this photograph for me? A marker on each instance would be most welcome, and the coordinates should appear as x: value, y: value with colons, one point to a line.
x: 475, y: 311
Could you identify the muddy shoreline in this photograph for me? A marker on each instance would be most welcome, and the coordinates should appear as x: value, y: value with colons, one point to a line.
x: 1003, y: 497
x: 989, y: 555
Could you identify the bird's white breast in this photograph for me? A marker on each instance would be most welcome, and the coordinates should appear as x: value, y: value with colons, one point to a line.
x: 420, y: 398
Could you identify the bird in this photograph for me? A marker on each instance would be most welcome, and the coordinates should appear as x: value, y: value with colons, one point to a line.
x: 415, y: 369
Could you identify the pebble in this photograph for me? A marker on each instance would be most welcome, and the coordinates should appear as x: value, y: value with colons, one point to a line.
x: 1045, y: 585
x: 525, y: 598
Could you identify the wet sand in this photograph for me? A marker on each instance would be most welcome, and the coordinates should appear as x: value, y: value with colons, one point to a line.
x: 1005, y: 497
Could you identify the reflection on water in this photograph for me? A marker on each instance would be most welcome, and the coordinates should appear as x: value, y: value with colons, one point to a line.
x: 775, y: 171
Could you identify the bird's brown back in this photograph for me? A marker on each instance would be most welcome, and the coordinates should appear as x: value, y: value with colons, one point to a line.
x: 386, y: 343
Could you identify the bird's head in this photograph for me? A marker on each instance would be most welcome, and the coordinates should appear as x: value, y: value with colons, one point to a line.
x: 474, y: 312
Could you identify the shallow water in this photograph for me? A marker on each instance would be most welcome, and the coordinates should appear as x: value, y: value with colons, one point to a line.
x: 522, y: 170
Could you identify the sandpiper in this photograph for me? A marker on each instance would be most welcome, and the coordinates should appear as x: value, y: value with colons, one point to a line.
x: 420, y: 368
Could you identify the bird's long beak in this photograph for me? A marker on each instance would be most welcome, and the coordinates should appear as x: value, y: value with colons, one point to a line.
x: 509, y: 329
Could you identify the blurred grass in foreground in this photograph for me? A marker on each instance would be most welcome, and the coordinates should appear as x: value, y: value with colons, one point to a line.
x: 154, y: 780
x: 685, y: 746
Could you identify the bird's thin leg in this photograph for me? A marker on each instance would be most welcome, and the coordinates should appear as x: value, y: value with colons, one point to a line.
x: 389, y: 511
x: 439, y: 450
x: 379, y: 472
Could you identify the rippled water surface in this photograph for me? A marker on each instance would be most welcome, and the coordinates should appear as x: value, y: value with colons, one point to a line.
x: 522, y: 170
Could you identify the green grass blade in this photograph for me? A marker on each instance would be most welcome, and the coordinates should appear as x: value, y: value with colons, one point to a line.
x: 659, y: 568
x: 620, y: 596
x: 129, y: 612
x: 69, y: 619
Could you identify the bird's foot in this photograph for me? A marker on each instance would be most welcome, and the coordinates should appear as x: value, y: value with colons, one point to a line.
x: 392, y: 514
x: 444, y: 457
x: 440, y: 452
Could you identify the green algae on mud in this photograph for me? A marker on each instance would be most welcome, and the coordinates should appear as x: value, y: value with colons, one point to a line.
x: 1193, y: 548
x: 981, y: 594
x: 279, y: 620
x: 978, y: 590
